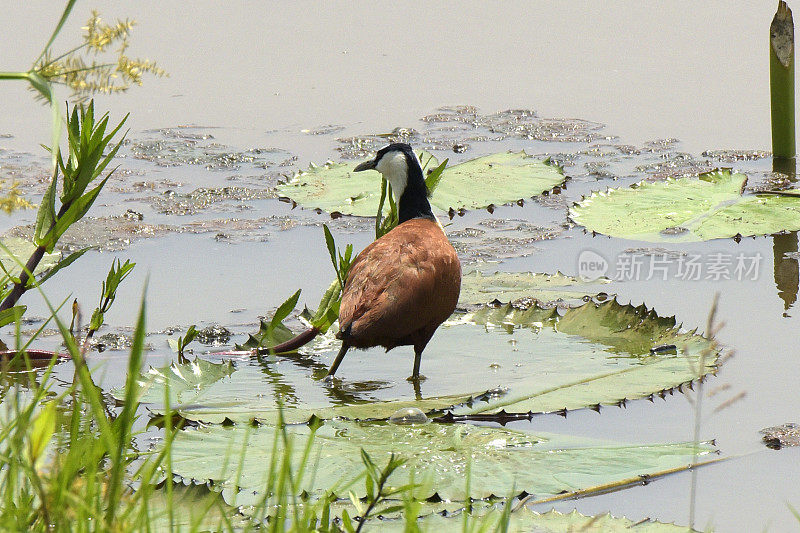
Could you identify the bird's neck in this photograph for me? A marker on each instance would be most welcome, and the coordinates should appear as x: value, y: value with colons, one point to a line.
x: 413, y: 203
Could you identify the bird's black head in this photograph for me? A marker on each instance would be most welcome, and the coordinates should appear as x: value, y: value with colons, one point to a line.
x: 400, y: 166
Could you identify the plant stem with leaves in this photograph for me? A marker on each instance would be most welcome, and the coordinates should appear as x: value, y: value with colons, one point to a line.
x: 85, y: 161
x: 108, y: 294
x: 87, y: 140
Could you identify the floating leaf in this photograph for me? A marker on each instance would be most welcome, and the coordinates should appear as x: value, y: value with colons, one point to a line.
x: 546, y: 361
x: 596, y: 354
x: 495, y: 179
x: 193, y: 508
x: 525, y: 520
x: 477, y: 287
x: 485, y: 515
x: 187, y: 382
x: 202, y: 390
x: 492, y: 179
x: 22, y: 250
x: 335, y: 187
x: 267, y: 336
x: 499, y: 459
x: 687, y: 209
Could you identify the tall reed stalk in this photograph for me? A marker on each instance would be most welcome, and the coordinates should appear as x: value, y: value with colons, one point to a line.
x: 781, y: 73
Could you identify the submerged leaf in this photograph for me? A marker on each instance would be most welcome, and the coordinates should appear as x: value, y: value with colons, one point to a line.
x: 213, y: 393
x: 711, y: 206
x: 499, y: 459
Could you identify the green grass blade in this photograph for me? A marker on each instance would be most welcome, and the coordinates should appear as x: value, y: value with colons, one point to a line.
x: 124, y: 422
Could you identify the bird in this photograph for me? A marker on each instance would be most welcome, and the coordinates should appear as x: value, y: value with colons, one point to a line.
x: 400, y: 288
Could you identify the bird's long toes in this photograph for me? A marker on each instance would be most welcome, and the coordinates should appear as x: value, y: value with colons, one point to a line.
x: 418, y: 378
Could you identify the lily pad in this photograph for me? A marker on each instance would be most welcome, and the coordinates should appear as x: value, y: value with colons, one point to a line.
x: 687, y: 209
x: 477, y: 287
x: 185, y: 380
x: 206, y: 391
x: 500, y: 460
x: 334, y: 187
x: 545, y: 361
x: 495, y: 179
x: 492, y: 179
x: 525, y: 520
x: 194, y: 508
x: 22, y: 250
x: 599, y: 353
x: 484, y: 515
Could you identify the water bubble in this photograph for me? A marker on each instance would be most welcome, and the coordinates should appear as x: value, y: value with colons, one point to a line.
x: 408, y: 416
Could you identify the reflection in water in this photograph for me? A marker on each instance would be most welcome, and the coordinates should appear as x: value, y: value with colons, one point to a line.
x: 11, y: 380
x: 786, y: 271
x: 337, y: 391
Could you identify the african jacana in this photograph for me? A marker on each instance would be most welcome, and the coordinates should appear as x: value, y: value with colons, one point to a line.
x: 404, y: 285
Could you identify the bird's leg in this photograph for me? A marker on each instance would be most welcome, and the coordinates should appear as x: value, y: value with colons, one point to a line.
x: 417, y: 359
x: 338, y: 360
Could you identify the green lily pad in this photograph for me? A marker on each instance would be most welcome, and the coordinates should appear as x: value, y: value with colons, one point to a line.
x: 687, y: 209
x: 500, y: 460
x: 22, y: 250
x: 542, y: 360
x: 206, y: 391
x: 525, y: 520
x: 186, y: 382
x: 194, y: 508
x: 477, y: 287
x: 334, y: 187
x: 495, y: 179
x: 484, y: 515
x: 596, y: 354
x: 492, y: 179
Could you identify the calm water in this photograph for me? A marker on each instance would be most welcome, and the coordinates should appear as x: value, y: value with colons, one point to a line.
x: 257, y: 77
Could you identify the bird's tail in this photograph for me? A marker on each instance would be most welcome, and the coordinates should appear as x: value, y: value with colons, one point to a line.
x: 295, y: 342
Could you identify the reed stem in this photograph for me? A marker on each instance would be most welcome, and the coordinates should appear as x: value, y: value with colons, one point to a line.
x: 781, y: 73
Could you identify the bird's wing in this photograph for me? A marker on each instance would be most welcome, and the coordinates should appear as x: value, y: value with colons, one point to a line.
x: 394, y: 286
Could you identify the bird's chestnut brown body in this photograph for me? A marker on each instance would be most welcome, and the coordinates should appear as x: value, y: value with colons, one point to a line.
x: 401, y: 288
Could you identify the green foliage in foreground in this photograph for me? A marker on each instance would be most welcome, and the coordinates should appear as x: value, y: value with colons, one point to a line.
x: 70, y: 461
x: 91, y: 146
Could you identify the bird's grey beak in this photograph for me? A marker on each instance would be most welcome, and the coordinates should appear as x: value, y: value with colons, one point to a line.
x: 366, y: 165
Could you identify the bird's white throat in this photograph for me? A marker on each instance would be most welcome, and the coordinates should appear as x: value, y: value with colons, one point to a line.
x: 394, y: 168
